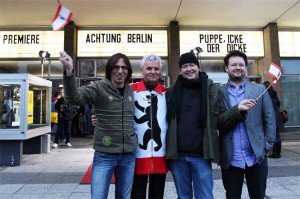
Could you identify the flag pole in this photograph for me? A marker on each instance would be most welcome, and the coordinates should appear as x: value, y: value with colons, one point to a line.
x: 263, y: 92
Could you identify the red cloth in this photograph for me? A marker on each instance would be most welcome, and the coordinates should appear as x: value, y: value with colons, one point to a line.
x: 150, y: 165
x: 87, y: 177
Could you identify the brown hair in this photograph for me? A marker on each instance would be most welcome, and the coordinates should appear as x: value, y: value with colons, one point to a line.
x: 111, y: 62
x: 235, y: 53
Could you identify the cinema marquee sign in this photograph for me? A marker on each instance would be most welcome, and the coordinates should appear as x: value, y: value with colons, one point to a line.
x: 27, y: 44
x: 289, y: 43
x: 95, y: 43
x: 218, y: 43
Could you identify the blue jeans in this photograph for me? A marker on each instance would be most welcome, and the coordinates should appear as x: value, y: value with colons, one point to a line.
x: 104, y: 165
x: 190, y: 173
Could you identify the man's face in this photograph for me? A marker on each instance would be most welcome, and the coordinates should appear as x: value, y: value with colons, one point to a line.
x: 236, y: 69
x: 189, y: 71
x: 151, y: 72
x: 119, y: 73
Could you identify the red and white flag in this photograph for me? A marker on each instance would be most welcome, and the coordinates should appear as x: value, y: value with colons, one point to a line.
x: 62, y: 17
x: 275, y: 72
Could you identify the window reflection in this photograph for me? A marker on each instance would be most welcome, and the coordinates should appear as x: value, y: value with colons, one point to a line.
x: 32, y: 67
x: 10, y: 103
x: 37, y: 97
x: 87, y: 68
x: 10, y: 98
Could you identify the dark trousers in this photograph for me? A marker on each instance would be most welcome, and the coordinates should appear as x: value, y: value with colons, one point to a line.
x: 256, y: 178
x: 64, y: 126
x: 156, y: 186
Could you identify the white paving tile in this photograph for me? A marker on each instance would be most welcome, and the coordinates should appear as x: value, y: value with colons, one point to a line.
x: 10, y: 188
x: 62, y: 188
x: 34, y: 188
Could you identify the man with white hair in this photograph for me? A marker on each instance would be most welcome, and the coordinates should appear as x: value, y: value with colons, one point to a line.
x: 150, y: 125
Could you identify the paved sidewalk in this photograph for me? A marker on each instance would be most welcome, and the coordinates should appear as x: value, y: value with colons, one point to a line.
x: 57, y: 174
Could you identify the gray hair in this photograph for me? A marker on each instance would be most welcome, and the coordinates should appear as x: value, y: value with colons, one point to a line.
x: 150, y: 57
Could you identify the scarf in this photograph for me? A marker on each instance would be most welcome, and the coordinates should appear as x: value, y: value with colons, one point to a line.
x: 175, y: 100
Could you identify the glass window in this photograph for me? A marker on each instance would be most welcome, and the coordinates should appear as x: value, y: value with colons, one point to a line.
x: 53, y: 68
x: 87, y: 68
x: 10, y: 102
x: 290, y: 90
x: 10, y: 98
x: 36, y: 107
x: 290, y: 66
x: 101, y: 64
x: 212, y: 66
x: 291, y: 100
x: 217, y: 66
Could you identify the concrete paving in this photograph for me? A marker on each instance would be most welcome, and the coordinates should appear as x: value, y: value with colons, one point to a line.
x: 57, y: 174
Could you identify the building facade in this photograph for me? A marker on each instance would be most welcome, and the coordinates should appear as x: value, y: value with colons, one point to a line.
x: 90, y: 48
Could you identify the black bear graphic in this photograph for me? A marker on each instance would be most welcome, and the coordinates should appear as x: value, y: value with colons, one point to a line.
x: 154, y: 130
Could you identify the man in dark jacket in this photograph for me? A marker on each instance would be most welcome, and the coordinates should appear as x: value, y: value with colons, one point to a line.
x: 194, y: 104
x: 279, y: 122
x: 66, y: 113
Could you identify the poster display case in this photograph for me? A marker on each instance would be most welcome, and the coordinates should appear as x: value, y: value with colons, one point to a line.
x: 25, y: 102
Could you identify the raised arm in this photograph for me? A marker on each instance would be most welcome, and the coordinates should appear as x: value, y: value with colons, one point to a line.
x: 67, y: 62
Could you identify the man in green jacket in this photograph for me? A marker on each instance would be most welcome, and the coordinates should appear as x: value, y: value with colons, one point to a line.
x: 114, y: 138
x: 194, y: 105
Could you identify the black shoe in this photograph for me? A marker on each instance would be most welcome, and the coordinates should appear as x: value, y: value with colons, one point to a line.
x: 274, y: 156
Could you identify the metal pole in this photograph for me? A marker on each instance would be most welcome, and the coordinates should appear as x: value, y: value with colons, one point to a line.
x: 42, y: 72
x: 41, y: 107
x: 49, y: 69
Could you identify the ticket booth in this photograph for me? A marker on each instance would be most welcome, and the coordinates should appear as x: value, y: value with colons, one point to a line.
x: 25, y: 116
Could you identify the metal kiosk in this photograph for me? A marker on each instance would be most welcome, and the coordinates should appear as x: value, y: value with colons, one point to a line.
x: 25, y: 117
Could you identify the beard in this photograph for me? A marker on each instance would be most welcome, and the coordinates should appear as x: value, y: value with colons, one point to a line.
x: 236, y: 78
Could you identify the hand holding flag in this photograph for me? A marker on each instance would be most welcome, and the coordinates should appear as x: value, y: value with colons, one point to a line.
x: 275, y: 72
x: 62, y: 17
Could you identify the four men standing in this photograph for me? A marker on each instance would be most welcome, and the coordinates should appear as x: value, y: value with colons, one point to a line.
x: 196, y: 109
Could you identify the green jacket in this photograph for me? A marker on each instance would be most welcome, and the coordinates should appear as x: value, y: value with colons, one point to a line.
x: 215, y: 107
x: 114, y: 132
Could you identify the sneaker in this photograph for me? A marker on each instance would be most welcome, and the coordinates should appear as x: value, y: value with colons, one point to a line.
x: 55, y: 145
x: 69, y: 144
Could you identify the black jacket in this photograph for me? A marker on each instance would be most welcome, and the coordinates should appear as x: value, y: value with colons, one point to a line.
x: 65, y: 111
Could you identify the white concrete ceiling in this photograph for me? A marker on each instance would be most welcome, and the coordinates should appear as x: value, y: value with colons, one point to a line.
x: 205, y: 13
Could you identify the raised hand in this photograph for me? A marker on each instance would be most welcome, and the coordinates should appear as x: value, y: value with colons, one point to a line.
x: 67, y: 61
x: 94, y: 120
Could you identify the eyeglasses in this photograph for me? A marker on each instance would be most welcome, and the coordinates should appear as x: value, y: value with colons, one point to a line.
x: 118, y: 67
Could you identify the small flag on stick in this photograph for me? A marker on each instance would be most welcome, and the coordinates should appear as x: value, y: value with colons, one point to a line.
x: 275, y: 72
x: 62, y: 17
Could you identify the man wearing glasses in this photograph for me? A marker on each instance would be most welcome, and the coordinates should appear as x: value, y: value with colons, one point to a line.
x: 244, y: 144
x: 114, y: 138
